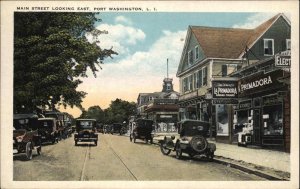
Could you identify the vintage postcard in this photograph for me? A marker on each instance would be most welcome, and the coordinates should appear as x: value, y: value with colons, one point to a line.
x: 147, y: 94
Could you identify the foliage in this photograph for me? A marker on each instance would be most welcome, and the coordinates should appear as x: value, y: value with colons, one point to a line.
x: 51, y: 53
x: 118, y: 112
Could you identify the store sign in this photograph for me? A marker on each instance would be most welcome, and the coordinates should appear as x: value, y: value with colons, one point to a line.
x: 245, y: 104
x: 283, y: 59
x: 224, y: 89
x: 225, y: 101
x: 259, y: 82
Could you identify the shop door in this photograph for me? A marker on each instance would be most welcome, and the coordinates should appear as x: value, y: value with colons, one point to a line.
x: 256, y: 128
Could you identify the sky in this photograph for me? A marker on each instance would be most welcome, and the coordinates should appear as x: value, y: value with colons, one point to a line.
x: 144, y: 42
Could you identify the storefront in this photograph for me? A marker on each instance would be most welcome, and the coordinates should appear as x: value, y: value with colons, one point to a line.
x: 261, y: 112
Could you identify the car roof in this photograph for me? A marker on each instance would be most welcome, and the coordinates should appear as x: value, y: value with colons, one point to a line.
x: 47, y: 118
x: 85, y: 119
x: 24, y: 116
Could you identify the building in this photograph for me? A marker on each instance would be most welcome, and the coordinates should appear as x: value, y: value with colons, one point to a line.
x: 161, y: 107
x: 211, y: 54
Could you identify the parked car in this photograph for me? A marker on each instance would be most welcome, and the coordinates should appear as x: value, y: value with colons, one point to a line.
x: 117, y: 128
x: 85, y: 131
x: 192, y: 139
x: 25, y: 135
x: 141, y: 129
x: 48, y: 130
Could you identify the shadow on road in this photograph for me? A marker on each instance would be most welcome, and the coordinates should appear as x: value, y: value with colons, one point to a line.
x: 85, y: 145
x: 22, y: 157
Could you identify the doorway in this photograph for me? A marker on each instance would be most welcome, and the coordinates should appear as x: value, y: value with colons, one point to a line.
x: 256, y: 127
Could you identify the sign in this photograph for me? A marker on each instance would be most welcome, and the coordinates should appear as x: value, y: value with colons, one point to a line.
x: 245, y: 104
x: 224, y: 89
x: 259, y: 82
x: 225, y: 101
x: 283, y: 59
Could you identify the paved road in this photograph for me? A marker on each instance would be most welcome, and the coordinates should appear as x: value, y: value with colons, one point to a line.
x: 115, y: 158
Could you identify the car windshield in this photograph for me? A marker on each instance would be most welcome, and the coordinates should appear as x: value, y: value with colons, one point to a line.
x: 145, y: 123
x: 194, y: 128
x: 45, y: 123
x: 85, y: 124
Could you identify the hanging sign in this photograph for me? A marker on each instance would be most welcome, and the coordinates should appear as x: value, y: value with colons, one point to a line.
x: 283, y: 59
x: 224, y: 89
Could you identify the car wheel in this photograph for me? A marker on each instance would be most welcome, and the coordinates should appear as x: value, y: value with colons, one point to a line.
x: 178, y: 151
x: 96, y: 142
x: 211, y: 156
x: 134, y: 138
x: 39, y: 150
x: 163, y: 149
x: 28, y: 151
x: 199, y: 143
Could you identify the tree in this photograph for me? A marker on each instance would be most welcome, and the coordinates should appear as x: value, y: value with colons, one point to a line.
x: 119, y: 111
x: 51, y: 53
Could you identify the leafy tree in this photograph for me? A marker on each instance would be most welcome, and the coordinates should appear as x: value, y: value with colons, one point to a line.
x: 51, y: 53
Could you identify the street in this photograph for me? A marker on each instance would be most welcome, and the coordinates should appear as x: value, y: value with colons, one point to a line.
x: 116, y: 158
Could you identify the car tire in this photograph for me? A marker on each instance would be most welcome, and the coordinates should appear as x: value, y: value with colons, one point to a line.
x: 163, y: 149
x: 178, y: 151
x: 134, y: 138
x: 39, y: 150
x: 28, y: 151
x: 199, y: 143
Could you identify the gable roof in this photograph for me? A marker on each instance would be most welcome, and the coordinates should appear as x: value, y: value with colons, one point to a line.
x: 229, y: 43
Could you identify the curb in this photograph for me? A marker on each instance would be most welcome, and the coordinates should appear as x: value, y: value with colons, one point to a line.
x: 218, y: 159
x: 222, y: 160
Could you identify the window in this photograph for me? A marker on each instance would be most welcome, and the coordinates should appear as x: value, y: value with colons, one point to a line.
x: 196, y: 80
x: 204, y: 76
x: 288, y: 44
x: 268, y: 47
x: 168, y: 86
x: 190, y: 57
x: 190, y: 83
x: 185, y: 84
x: 199, y: 78
x: 273, y: 122
x: 197, y: 52
x: 224, y: 70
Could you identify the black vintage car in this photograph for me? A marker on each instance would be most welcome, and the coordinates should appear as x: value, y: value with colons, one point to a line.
x: 141, y: 129
x: 85, y: 131
x: 191, y: 140
x: 25, y: 135
x: 117, y: 128
x: 48, y: 130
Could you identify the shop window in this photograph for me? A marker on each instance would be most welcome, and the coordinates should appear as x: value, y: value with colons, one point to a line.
x: 257, y: 102
x: 288, y: 44
x: 273, y: 120
x: 268, y: 47
x: 240, y: 121
x: 222, y: 120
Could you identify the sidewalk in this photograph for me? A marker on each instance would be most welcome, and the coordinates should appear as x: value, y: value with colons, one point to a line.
x: 274, y: 165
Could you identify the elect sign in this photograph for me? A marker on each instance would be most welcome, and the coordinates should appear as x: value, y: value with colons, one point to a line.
x: 283, y: 59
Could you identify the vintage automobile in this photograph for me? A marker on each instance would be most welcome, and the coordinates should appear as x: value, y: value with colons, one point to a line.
x: 48, y: 130
x: 117, y: 128
x: 85, y: 131
x: 25, y: 135
x: 191, y: 140
x: 141, y: 129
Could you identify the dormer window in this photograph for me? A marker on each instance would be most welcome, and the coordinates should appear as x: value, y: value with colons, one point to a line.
x: 268, y: 47
x: 197, y: 53
x: 190, y: 57
x: 288, y: 44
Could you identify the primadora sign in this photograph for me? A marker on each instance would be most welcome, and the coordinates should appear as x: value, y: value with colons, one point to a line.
x: 283, y: 59
x: 224, y: 89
